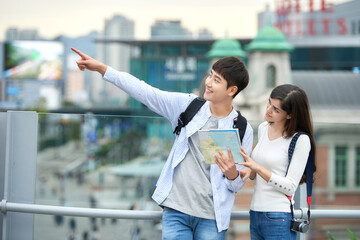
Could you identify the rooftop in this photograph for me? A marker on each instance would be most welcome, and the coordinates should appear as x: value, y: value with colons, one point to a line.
x: 330, y: 89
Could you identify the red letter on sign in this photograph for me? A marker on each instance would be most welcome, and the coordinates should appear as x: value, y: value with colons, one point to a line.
x: 297, y: 6
x: 311, y: 5
x: 311, y: 30
x: 298, y: 28
x: 343, y: 28
x: 324, y: 8
x: 288, y: 27
x: 326, y: 22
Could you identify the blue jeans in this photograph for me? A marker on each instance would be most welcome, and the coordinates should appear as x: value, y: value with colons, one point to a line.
x: 271, y: 226
x: 181, y: 226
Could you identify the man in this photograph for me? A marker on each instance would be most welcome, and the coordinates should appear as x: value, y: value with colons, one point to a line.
x: 197, y: 198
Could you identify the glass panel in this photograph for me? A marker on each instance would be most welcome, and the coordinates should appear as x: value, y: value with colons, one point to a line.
x: 97, y: 161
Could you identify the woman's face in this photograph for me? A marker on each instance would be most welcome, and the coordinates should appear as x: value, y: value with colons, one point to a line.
x: 274, y: 112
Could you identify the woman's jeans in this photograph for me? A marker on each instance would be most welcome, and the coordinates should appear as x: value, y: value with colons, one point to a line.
x: 271, y: 226
x: 181, y: 226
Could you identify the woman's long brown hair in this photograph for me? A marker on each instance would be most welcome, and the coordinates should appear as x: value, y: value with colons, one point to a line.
x: 295, y: 102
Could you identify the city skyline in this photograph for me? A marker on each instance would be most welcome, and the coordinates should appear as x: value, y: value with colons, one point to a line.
x: 237, y: 19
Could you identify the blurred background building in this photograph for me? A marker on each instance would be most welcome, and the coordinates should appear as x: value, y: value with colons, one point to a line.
x: 169, y: 29
x: 113, y: 54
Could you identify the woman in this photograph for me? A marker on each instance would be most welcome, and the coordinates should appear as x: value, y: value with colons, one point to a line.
x: 287, y: 113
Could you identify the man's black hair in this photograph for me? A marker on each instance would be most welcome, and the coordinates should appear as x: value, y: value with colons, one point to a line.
x: 233, y: 70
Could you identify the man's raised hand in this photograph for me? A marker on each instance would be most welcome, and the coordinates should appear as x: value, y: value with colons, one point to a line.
x: 89, y: 63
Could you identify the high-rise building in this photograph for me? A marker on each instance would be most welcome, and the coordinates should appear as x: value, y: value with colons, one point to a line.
x: 25, y: 34
x: 204, y: 33
x: 169, y: 29
x: 78, y: 86
x: 115, y: 55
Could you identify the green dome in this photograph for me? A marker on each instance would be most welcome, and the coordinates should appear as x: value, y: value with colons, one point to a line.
x: 226, y: 47
x: 271, y: 39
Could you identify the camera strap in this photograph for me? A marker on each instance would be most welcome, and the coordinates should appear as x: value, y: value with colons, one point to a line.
x: 309, y: 172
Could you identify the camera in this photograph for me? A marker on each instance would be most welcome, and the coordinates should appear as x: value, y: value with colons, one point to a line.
x: 300, y: 225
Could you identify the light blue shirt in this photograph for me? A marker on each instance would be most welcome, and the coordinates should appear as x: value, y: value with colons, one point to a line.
x: 171, y: 105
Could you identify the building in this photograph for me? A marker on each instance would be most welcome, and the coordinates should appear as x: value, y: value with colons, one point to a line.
x: 31, y: 69
x: 325, y: 35
x: 169, y: 29
x: 78, y: 84
x: 116, y: 55
x: 268, y: 65
x: 25, y: 34
x: 204, y: 33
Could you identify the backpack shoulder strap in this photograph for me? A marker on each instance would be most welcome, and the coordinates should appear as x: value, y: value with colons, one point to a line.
x: 241, y: 124
x: 186, y: 116
x: 292, y: 145
x: 309, y: 169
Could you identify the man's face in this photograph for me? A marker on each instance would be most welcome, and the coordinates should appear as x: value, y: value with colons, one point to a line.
x: 216, y: 88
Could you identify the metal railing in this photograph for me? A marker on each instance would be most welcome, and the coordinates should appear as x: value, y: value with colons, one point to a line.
x: 145, y: 215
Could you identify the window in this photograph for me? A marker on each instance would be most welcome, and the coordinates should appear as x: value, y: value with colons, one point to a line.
x: 357, y: 167
x: 197, y: 49
x: 270, y: 77
x: 148, y: 50
x: 341, y: 166
x: 353, y: 28
x: 170, y: 49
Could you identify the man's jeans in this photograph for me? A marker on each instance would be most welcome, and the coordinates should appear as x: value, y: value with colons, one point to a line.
x: 271, y: 226
x: 180, y: 226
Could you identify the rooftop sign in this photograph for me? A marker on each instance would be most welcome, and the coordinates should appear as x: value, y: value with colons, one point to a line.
x: 309, y: 18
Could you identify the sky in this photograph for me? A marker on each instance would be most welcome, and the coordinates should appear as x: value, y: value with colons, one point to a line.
x: 74, y: 18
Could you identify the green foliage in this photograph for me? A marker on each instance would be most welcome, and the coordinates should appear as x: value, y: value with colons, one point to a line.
x: 75, y: 130
x: 351, y: 234
x: 104, y: 149
x: 126, y: 147
x: 49, y: 142
x: 330, y: 236
x: 70, y: 130
x: 69, y: 104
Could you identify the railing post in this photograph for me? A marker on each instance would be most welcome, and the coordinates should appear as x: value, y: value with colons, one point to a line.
x: 18, y: 151
x: 301, y: 203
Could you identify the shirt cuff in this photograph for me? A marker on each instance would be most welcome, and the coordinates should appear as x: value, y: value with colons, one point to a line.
x: 108, y: 74
x: 277, y: 183
x: 234, y: 183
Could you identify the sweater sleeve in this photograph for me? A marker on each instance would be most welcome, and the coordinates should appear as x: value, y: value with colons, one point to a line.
x: 288, y: 184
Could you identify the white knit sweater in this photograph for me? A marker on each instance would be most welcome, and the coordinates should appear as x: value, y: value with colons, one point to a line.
x: 273, y: 155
